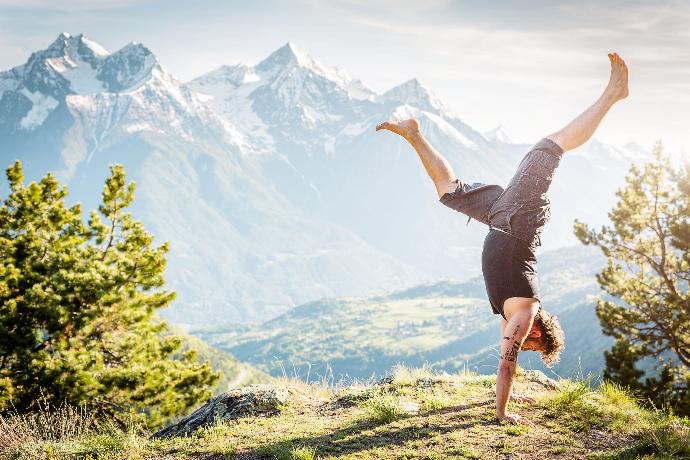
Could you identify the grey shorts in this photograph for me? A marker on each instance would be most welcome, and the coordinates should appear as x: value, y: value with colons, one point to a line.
x: 522, y: 208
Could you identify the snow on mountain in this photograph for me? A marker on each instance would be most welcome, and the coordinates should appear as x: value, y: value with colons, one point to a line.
x: 413, y: 93
x: 226, y: 91
x: 41, y: 106
x: 108, y: 95
x: 269, y: 180
x: 499, y: 134
x: 322, y: 149
x: 106, y: 87
x: 78, y: 65
x: 289, y: 99
x: 240, y: 251
x: 290, y: 58
x: 288, y: 90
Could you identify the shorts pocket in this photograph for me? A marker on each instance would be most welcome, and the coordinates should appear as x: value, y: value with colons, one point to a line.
x: 500, y: 217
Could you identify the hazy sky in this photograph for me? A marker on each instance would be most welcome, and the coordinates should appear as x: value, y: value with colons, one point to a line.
x: 530, y: 66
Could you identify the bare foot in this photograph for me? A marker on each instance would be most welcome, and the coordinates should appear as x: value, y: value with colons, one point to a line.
x: 618, y: 83
x: 403, y: 128
x: 515, y: 419
x: 522, y: 398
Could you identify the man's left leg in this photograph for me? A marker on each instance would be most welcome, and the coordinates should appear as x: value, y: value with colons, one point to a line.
x: 578, y: 131
x: 528, y: 187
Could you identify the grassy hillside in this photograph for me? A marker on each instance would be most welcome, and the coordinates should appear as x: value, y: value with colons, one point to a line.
x: 448, y: 325
x: 413, y: 415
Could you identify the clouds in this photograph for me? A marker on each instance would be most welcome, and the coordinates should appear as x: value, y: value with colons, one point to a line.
x: 530, y: 66
x: 535, y: 66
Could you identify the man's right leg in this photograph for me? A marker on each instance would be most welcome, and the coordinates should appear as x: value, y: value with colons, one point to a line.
x: 436, y: 166
x: 578, y: 131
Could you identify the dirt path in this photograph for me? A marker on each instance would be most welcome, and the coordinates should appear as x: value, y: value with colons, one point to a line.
x: 239, y: 379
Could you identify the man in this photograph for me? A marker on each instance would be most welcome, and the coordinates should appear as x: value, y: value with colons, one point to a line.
x: 516, y: 217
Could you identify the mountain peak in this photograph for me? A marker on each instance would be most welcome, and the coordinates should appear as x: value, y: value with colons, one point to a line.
x: 289, y: 57
x: 67, y: 44
x: 60, y: 41
x: 295, y: 51
x: 499, y: 134
x: 412, y: 92
x: 137, y: 51
x: 286, y: 55
x: 412, y: 83
x: 62, y: 38
x: 75, y: 65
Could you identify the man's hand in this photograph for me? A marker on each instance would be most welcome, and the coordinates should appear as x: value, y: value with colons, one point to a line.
x: 515, y: 419
x: 522, y: 398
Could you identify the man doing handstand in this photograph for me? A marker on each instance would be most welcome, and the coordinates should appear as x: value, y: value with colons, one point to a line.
x: 516, y: 217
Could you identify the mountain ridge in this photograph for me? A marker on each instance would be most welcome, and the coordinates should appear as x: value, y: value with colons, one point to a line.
x: 192, y: 165
x: 280, y: 170
x: 446, y: 325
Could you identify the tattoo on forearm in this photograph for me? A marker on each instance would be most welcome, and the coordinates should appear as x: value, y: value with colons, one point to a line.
x: 511, y: 355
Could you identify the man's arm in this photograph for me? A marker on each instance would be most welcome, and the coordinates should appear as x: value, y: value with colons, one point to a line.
x: 514, y: 334
x: 514, y: 396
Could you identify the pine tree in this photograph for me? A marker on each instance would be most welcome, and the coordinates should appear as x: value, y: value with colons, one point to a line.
x: 647, y: 309
x: 78, y: 306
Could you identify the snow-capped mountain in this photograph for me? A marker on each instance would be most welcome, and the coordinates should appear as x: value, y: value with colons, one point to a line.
x: 98, y: 97
x: 75, y: 66
x: 240, y: 251
x: 414, y: 94
x: 269, y: 180
x: 499, y: 134
x: 329, y: 160
x: 288, y: 90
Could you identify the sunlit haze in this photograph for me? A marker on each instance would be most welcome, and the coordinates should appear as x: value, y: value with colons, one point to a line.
x: 530, y: 66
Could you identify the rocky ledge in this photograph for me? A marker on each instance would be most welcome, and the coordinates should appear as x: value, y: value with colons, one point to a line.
x: 268, y: 400
x: 239, y: 402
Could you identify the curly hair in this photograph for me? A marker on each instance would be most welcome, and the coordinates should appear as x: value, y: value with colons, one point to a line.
x: 552, y: 336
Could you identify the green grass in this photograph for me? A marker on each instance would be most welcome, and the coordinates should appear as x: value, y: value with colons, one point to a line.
x: 618, y: 395
x: 432, y: 400
x: 286, y: 451
x: 516, y: 430
x: 383, y: 408
x: 404, y: 376
x: 581, y: 408
x: 467, y: 452
x: 455, y: 420
x: 666, y: 437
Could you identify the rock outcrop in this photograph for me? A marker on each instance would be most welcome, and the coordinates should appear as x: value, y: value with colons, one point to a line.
x: 540, y: 378
x: 239, y: 402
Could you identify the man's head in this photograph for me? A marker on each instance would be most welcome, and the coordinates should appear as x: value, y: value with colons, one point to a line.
x: 546, y: 337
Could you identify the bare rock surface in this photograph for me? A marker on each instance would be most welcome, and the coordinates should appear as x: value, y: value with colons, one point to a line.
x: 239, y: 402
x: 540, y: 378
